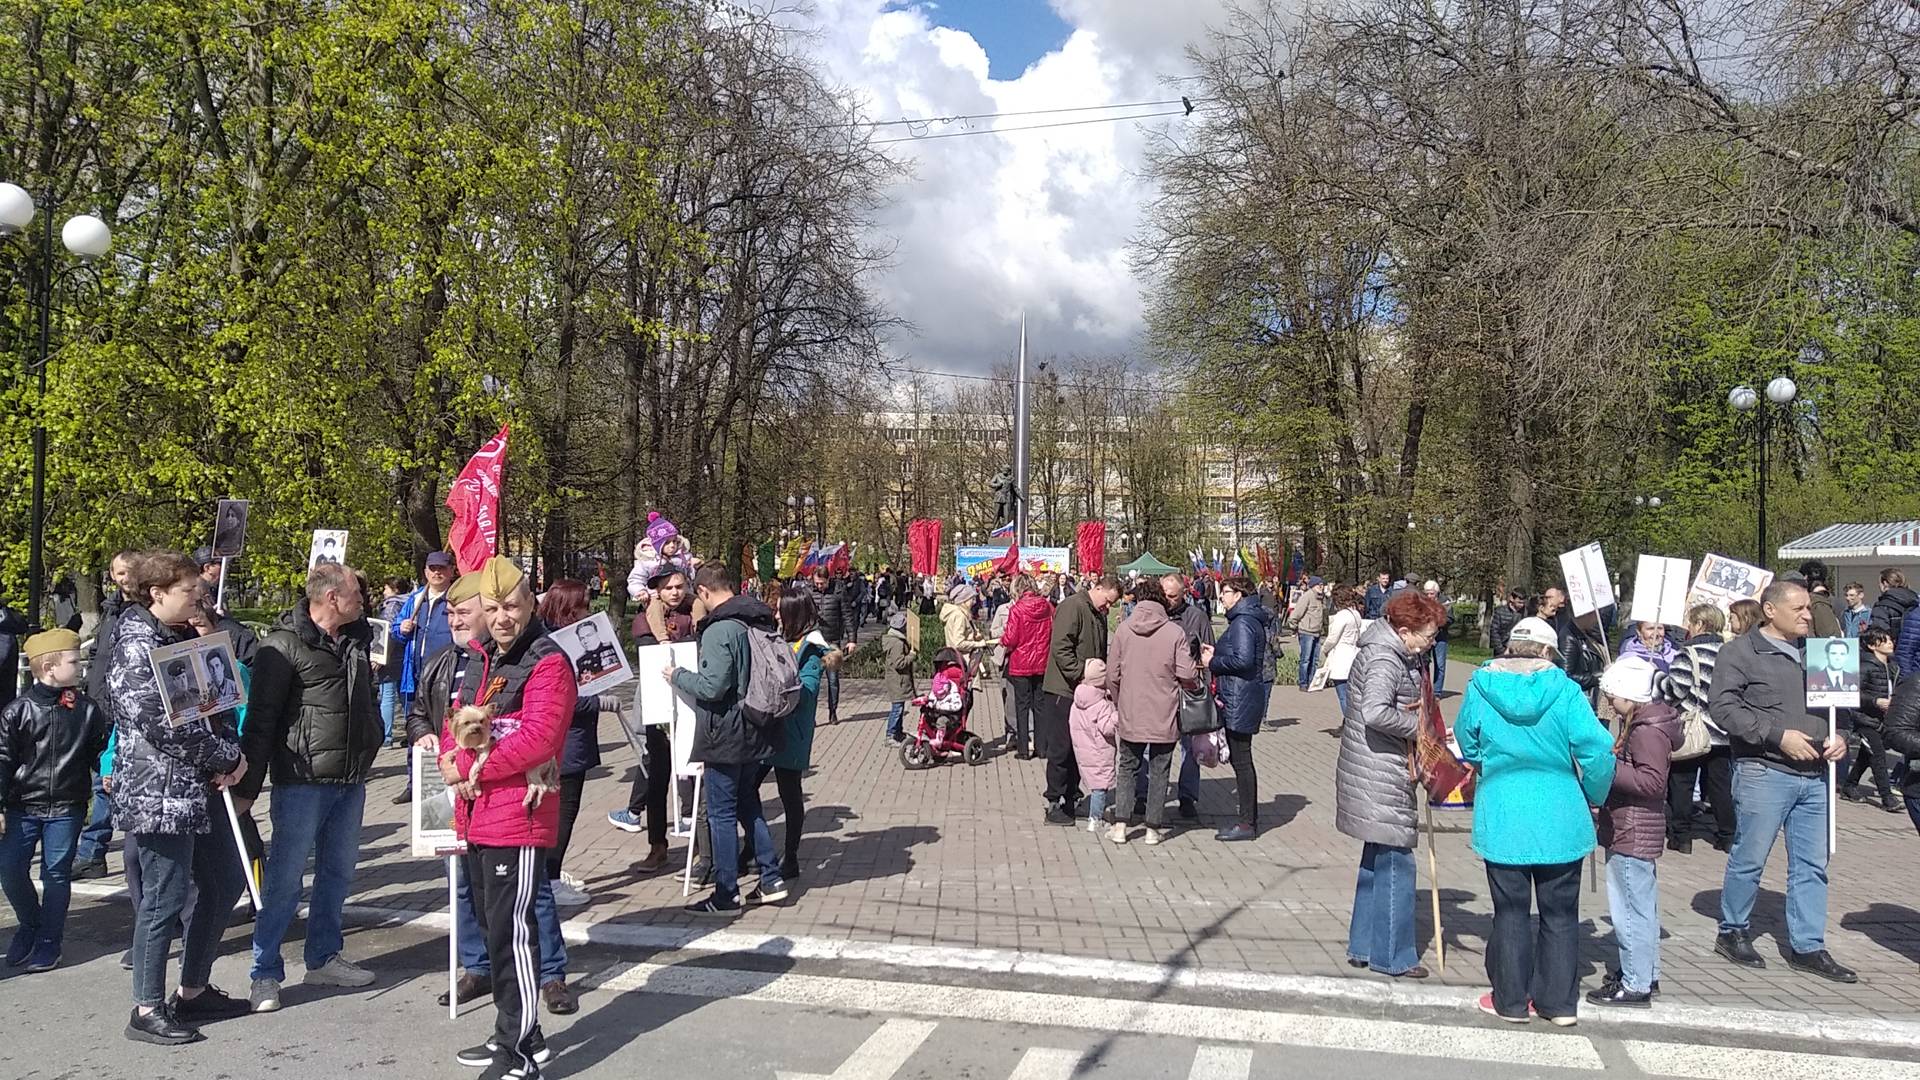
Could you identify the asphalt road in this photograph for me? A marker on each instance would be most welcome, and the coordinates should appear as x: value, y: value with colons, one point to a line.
x: 668, y: 1014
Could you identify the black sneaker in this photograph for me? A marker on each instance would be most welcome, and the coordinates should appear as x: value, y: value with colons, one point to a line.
x: 479, y: 1057
x: 512, y: 1068
x: 1822, y: 964
x: 1614, y: 978
x: 1680, y: 846
x: 713, y: 908
x: 1189, y: 810
x: 771, y: 893
x: 207, y: 1006
x: 1852, y: 793
x: 92, y: 868
x: 161, y: 1028
x: 1618, y: 995
x: 1737, y: 946
x: 1058, y: 816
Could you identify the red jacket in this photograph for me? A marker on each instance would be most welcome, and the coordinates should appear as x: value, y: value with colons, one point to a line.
x: 531, y: 685
x: 1029, y: 631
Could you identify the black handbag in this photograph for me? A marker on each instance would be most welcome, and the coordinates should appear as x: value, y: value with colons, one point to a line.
x: 1198, y: 713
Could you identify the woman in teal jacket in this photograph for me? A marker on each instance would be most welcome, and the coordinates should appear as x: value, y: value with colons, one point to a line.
x: 1543, y: 760
x: 814, y: 656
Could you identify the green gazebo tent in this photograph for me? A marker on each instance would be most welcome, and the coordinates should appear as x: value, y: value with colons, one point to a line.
x: 1146, y: 565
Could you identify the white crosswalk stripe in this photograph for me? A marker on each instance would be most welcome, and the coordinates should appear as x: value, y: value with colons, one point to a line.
x: 880, y: 1056
x: 1221, y: 1063
x: 1042, y: 1063
x: 1716, y: 1062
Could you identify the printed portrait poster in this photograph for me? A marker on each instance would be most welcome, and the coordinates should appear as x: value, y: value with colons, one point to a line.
x: 599, y: 664
x: 198, y: 678
x: 329, y: 546
x: 1833, y: 673
x: 229, y: 528
x: 1722, y: 581
x: 432, y: 818
x: 377, y: 647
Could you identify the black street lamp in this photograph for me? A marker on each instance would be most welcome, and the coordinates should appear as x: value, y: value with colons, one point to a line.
x: 1781, y: 391
x: 88, y: 238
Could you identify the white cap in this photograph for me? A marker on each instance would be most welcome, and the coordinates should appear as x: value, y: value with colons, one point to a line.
x: 1535, y: 631
x: 1629, y: 678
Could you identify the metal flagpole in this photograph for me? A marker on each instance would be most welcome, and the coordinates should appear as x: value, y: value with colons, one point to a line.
x: 1433, y: 874
x: 240, y: 843
x: 1020, y: 441
x: 220, y: 594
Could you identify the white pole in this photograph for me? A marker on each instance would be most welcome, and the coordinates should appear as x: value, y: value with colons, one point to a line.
x: 1833, y: 786
x: 220, y: 595
x: 453, y: 937
x: 240, y: 844
x: 686, y: 879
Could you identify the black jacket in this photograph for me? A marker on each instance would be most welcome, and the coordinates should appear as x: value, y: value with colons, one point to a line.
x: 831, y: 604
x: 313, y: 712
x: 103, y: 639
x: 1903, y: 729
x: 50, y: 743
x: 1500, y: 626
x: 1891, y: 607
x: 12, y: 625
x: 1759, y: 693
x: 433, y: 690
x: 1876, y: 682
x: 1578, y: 655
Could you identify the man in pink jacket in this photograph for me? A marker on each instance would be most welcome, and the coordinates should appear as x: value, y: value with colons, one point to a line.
x: 528, y: 682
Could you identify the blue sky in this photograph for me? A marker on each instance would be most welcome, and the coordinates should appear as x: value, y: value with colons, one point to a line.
x: 1015, y: 33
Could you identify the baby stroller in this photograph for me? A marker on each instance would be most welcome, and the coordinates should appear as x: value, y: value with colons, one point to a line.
x: 942, y: 734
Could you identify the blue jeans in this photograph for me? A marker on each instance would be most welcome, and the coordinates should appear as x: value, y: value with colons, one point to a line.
x: 189, y: 883
x: 1633, y: 901
x: 473, y: 941
x: 322, y: 820
x: 1097, y: 801
x: 1381, y: 932
x: 1340, y: 692
x: 97, y: 833
x: 1766, y: 801
x: 896, y: 717
x: 1439, y: 665
x: 733, y: 800
x: 1309, y: 658
x: 44, y: 915
x: 1913, y: 807
x: 1189, y: 786
x: 389, y: 706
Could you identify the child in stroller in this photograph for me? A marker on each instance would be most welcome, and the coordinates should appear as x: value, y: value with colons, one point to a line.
x: 943, y: 733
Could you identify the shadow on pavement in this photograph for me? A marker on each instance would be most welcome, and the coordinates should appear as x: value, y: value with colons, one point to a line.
x: 1893, y: 927
x: 601, y: 1031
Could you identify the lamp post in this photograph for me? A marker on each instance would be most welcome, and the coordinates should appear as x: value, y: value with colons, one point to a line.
x: 1781, y: 391
x: 88, y: 238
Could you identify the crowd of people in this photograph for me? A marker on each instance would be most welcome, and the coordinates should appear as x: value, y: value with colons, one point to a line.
x: 1104, y: 680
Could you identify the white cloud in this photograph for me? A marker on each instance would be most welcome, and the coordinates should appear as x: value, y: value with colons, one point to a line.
x: 988, y: 225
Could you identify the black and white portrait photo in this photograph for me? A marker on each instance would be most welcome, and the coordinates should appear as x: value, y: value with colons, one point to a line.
x: 598, y: 662
x: 1833, y: 673
x: 329, y: 546
x: 229, y: 528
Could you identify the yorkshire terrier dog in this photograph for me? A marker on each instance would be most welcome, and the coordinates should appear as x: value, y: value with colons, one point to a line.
x: 472, y: 727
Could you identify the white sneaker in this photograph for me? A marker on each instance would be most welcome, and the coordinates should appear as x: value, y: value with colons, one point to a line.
x: 1117, y: 832
x: 339, y: 971
x: 683, y: 827
x: 573, y: 881
x: 565, y: 895
x: 1156, y: 836
x: 265, y: 995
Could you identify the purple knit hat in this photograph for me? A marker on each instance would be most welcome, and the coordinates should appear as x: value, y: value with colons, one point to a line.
x: 659, y: 529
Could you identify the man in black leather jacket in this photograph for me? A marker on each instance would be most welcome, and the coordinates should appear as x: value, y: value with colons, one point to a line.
x: 1903, y: 737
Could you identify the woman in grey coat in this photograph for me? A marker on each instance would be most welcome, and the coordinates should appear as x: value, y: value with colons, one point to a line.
x: 1373, y: 785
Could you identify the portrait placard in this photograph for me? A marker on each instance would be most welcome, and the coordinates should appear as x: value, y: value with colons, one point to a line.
x: 329, y: 546
x: 198, y: 678
x: 592, y: 647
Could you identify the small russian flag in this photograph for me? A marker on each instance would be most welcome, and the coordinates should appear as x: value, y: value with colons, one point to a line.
x: 1004, y: 530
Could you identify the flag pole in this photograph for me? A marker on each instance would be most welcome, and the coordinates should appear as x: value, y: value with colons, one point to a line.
x: 1020, y: 418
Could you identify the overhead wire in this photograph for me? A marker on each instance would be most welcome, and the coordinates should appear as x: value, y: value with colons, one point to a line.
x: 1027, y: 127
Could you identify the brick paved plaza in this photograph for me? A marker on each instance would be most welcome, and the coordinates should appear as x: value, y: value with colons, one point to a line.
x: 959, y: 857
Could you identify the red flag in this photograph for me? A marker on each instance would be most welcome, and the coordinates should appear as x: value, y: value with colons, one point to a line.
x: 842, y: 559
x: 1093, y: 546
x: 475, y: 502
x: 923, y: 544
x: 1010, y: 562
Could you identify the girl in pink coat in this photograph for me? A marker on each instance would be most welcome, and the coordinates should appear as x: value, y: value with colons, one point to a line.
x: 1093, y: 723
